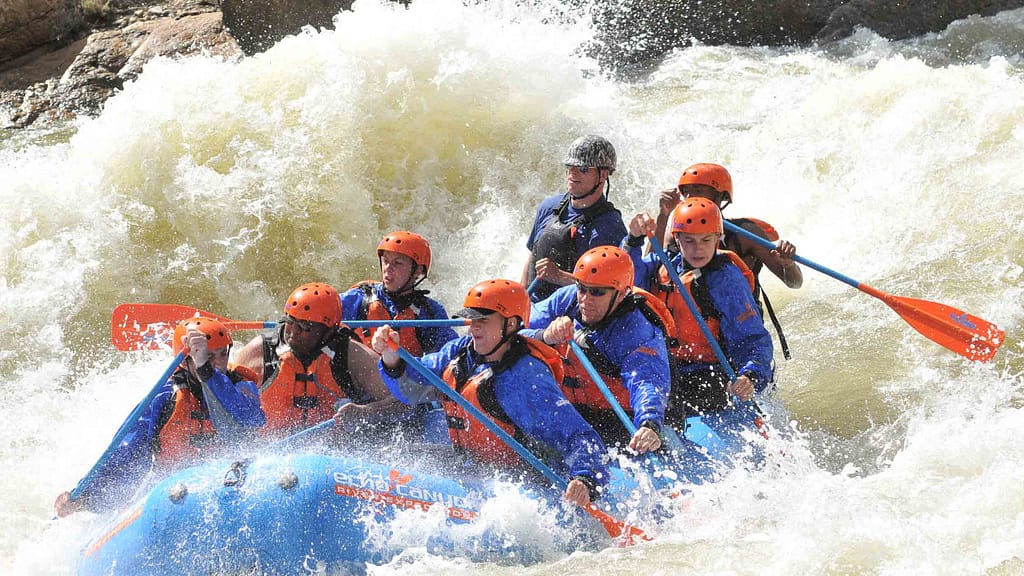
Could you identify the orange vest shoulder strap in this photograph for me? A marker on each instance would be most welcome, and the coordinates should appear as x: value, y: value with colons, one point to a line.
x: 770, y: 233
x: 657, y: 306
x: 735, y: 259
x: 243, y: 372
x: 548, y: 355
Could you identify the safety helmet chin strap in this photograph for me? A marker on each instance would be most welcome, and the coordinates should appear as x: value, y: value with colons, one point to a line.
x: 505, y: 336
x: 597, y: 186
x: 611, y: 308
x: 415, y: 279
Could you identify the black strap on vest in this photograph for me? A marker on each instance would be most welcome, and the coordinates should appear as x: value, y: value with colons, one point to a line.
x: 339, y: 364
x: 557, y: 241
x: 759, y: 294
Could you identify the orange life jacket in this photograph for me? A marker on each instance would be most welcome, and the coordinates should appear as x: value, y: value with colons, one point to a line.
x: 374, y: 309
x: 187, y: 432
x: 296, y: 396
x: 580, y: 388
x: 468, y: 434
x: 692, y: 346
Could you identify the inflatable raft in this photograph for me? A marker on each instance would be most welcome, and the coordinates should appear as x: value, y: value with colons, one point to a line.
x: 289, y: 513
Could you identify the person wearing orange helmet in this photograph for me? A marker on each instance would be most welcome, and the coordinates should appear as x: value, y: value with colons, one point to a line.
x: 721, y: 286
x: 623, y: 332
x: 314, y: 368
x: 569, y: 224
x: 204, y: 405
x: 512, y: 379
x: 713, y: 182
x: 404, y: 263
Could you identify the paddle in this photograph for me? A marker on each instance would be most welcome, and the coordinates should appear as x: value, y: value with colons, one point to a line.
x: 967, y: 335
x: 695, y: 312
x: 139, y: 326
x: 615, y: 528
x: 84, y: 483
x: 673, y: 440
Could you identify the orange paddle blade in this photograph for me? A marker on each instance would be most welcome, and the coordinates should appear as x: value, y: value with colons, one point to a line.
x: 972, y: 337
x: 626, y: 534
x: 137, y: 327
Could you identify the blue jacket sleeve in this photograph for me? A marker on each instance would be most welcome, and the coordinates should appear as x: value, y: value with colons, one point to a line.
x: 432, y: 339
x: 645, y: 268
x: 638, y: 347
x: 528, y: 394
x: 748, y: 345
x: 560, y: 303
x: 352, y: 304
x: 240, y: 401
x: 411, y: 387
x: 126, y: 466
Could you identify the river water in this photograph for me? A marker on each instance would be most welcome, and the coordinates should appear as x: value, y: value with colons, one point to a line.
x: 223, y: 185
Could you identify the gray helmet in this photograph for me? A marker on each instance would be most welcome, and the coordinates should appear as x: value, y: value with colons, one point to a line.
x: 593, y: 151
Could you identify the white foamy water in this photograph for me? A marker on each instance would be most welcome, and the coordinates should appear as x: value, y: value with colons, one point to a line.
x: 222, y: 185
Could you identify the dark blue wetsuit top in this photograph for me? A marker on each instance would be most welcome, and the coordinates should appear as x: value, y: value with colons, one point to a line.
x: 604, y: 229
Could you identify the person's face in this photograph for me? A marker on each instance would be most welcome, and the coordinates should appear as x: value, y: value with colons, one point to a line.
x: 219, y: 358
x: 702, y: 191
x: 594, y: 302
x: 486, y: 331
x: 581, y: 180
x: 396, y: 270
x: 302, y: 336
x: 697, y: 249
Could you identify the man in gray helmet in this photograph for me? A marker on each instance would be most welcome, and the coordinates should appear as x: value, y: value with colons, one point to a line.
x: 569, y: 224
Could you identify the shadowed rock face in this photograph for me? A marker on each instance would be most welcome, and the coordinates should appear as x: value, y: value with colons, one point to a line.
x: 26, y: 25
x: 907, y: 18
x: 51, y: 67
x: 258, y: 24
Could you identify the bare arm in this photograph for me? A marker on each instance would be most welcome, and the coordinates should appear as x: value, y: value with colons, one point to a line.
x: 362, y: 364
x: 525, y: 278
x: 251, y: 356
x: 667, y: 201
x: 779, y: 261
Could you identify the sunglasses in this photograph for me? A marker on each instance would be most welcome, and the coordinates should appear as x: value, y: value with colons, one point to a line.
x: 582, y: 289
x: 301, y: 324
x: 582, y: 169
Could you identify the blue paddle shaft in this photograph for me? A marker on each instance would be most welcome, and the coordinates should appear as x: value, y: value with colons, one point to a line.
x: 119, y: 437
x: 445, y: 389
x: 694, y: 310
x: 824, y: 270
x: 426, y: 323
x: 672, y: 438
x: 603, y: 387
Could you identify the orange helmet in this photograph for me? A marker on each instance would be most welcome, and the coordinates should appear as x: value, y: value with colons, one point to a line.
x: 709, y: 175
x: 408, y: 244
x: 315, y: 302
x: 217, y: 336
x: 606, y: 266
x: 697, y: 216
x: 505, y: 297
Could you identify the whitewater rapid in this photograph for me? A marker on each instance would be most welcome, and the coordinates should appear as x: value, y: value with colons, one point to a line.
x: 222, y: 185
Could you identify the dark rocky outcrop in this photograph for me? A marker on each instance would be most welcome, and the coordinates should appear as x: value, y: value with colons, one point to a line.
x: 905, y: 18
x: 50, y: 71
x: 28, y: 25
x: 258, y: 24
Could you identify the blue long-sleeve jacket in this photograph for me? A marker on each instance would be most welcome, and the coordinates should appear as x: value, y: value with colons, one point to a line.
x: 126, y: 466
x: 629, y: 341
x: 430, y: 338
x: 531, y: 399
x: 745, y: 342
